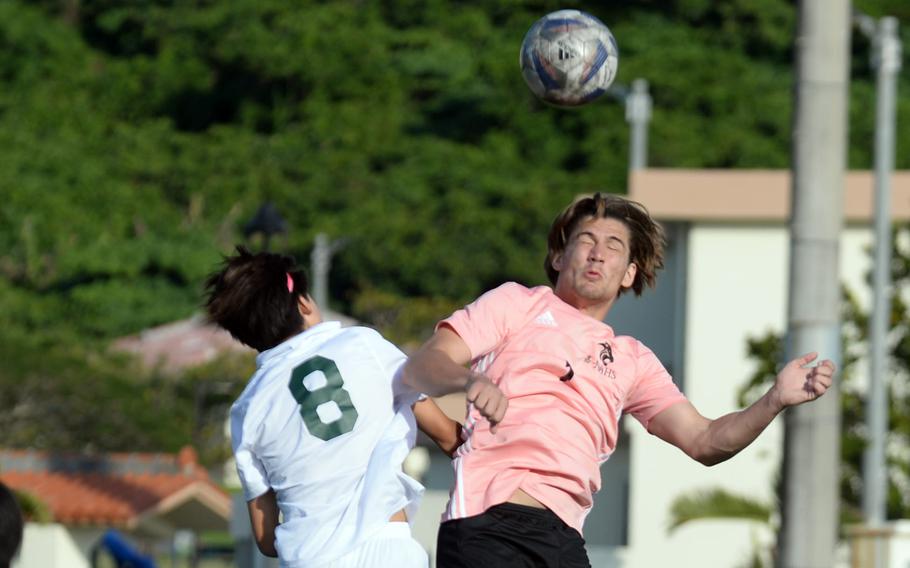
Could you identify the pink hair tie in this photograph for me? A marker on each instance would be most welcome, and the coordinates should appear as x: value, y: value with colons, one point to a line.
x: 290, y: 282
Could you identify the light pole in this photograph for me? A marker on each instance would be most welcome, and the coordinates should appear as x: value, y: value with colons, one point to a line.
x: 267, y: 222
x: 638, y: 115
x: 320, y: 263
x: 638, y: 105
x: 886, y: 59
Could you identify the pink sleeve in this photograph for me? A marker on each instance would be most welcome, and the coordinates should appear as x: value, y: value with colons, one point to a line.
x: 485, y: 323
x: 654, y: 389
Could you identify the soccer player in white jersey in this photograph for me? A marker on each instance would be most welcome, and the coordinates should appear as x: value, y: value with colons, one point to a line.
x: 321, y: 430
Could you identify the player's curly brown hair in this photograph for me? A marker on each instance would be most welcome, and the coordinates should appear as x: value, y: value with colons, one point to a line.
x: 249, y: 297
x: 646, y: 235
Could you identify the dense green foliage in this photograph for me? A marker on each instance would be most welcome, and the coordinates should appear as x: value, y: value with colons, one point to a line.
x: 139, y: 137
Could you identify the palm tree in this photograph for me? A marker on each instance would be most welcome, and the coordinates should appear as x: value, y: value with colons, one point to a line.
x: 718, y: 503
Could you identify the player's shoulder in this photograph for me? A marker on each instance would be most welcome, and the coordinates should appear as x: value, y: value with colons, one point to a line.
x: 248, y: 398
x: 363, y: 338
x: 632, y: 346
x: 361, y: 333
x: 520, y: 292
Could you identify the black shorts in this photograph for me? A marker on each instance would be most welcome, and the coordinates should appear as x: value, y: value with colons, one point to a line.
x: 513, y: 536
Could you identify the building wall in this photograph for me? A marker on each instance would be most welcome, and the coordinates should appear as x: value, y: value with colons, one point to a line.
x: 737, y: 288
x: 50, y: 545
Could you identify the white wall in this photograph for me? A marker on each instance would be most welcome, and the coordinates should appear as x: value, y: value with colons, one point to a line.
x: 737, y: 288
x: 49, y: 546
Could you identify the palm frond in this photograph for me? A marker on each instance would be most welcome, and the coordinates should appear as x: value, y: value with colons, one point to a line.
x: 716, y: 504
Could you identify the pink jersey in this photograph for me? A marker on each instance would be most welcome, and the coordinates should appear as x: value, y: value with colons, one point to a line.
x: 568, y: 378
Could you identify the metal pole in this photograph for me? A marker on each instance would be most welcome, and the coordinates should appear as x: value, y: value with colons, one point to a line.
x: 810, y: 495
x: 638, y: 115
x: 886, y: 59
x: 319, y: 267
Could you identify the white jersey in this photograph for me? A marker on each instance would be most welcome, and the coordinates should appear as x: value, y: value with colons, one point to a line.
x: 326, y: 423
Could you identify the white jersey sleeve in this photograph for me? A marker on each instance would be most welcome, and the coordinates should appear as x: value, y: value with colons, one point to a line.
x: 253, y: 477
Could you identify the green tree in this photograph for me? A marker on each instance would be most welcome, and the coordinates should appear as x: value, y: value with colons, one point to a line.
x: 140, y: 137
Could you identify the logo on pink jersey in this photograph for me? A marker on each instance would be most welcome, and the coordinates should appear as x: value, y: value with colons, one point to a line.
x: 606, y: 354
x: 602, y: 361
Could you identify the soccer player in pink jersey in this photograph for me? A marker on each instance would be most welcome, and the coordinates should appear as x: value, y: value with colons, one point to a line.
x: 523, y: 488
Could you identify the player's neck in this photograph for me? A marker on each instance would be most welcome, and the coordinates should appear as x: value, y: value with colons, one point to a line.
x: 597, y: 309
x: 311, y: 319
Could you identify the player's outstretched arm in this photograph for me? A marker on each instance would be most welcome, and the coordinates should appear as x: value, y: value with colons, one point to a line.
x: 438, y: 368
x: 264, y: 520
x: 439, y: 427
x: 713, y: 441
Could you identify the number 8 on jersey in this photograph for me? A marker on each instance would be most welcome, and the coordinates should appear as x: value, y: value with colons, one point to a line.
x: 325, y: 406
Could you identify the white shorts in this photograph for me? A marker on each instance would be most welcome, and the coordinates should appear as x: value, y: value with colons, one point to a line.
x: 392, y: 545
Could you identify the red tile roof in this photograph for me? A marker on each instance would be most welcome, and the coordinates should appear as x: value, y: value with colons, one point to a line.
x: 111, y: 489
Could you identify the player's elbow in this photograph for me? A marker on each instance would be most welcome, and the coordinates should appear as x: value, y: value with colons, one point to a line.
x: 422, y: 373
x: 709, y: 456
x: 708, y: 460
x: 411, y: 375
x: 267, y: 547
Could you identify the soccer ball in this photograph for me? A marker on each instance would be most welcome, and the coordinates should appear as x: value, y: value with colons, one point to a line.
x: 569, y: 58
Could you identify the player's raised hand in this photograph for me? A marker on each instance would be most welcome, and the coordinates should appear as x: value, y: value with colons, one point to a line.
x: 487, y: 399
x: 797, y: 382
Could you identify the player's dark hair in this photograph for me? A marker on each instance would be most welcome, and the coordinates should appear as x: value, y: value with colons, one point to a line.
x: 10, y: 526
x: 249, y: 297
x: 646, y: 248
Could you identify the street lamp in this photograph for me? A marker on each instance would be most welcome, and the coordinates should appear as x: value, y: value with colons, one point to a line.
x: 267, y: 222
x: 886, y: 59
x: 638, y: 114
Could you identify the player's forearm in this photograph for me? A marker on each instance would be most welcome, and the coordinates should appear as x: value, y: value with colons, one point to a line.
x: 728, y: 435
x: 447, y: 436
x: 444, y: 431
x: 263, y: 512
x: 435, y: 373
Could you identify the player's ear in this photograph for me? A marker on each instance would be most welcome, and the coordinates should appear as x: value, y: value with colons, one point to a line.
x: 305, y: 304
x: 629, y: 277
x: 309, y: 309
x: 556, y: 263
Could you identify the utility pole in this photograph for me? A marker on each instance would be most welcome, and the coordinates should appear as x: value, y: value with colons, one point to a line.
x: 886, y: 59
x: 810, y: 486
x: 320, y: 263
x: 638, y: 115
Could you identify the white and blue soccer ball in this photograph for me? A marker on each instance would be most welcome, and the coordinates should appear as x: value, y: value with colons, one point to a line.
x: 569, y: 58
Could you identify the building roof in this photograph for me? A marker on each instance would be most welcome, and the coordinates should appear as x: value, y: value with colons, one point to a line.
x: 180, y: 344
x: 191, y: 342
x: 151, y: 492
x: 752, y: 195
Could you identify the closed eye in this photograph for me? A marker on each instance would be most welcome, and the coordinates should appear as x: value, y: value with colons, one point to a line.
x: 585, y: 239
x: 615, y: 244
